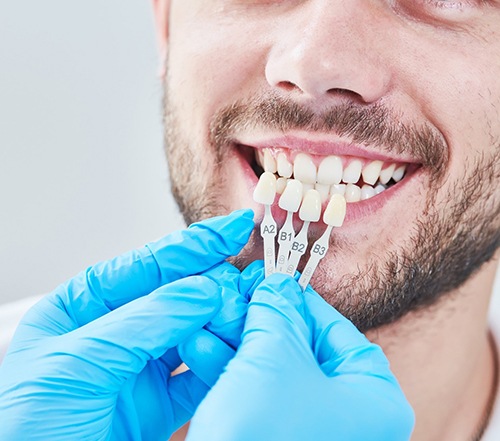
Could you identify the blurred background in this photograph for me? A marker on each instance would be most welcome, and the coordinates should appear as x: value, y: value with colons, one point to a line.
x: 82, y: 171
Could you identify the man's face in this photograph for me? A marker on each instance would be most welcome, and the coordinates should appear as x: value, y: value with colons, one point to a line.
x: 412, y: 83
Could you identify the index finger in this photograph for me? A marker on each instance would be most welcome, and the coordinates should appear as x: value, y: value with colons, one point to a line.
x: 111, y: 284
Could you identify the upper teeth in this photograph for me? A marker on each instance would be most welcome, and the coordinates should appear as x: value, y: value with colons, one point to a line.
x: 332, y: 174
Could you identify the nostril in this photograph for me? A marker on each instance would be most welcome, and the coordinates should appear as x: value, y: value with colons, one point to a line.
x: 287, y: 85
x: 347, y: 93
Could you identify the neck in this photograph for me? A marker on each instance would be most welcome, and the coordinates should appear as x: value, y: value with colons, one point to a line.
x: 444, y: 361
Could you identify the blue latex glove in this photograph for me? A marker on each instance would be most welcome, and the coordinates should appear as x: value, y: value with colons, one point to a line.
x: 208, y: 351
x: 93, y: 359
x: 302, y: 372
x: 236, y: 290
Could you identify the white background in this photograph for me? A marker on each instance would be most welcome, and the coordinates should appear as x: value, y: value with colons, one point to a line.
x: 82, y: 171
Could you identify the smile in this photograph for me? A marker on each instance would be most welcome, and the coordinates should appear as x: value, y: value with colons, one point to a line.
x: 357, y: 179
x: 368, y: 177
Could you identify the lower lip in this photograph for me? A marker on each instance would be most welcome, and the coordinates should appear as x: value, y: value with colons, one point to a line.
x: 355, y: 211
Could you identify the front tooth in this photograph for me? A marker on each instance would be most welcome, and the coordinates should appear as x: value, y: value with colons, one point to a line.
x: 352, y: 193
x: 310, y: 210
x: 265, y: 191
x: 338, y: 189
x: 281, y: 185
x: 386, y: 174
x: 307, y: 187
x: 269, y: 162
x: 380, y: 188
x: 285, y: 168
x: 371, y: 172
x: 352, y: 172
x: 304, y: 169
x: 292, y: 196
x: 399, y: 173
x: 324, y: 191
x: 330, y: 171
x: 259, y: 157
x: 367, y: 192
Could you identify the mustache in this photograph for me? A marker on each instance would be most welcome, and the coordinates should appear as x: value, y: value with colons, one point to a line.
x: 373, y: 124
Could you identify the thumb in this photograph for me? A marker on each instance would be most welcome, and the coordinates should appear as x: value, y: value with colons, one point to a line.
x: 275, y: 324
x: 120, y: 343
x: 339, y: 346
x: 265, y: 379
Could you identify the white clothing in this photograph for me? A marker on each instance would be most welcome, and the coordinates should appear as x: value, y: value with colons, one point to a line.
x: 10, y: 315
x: 493, y: 430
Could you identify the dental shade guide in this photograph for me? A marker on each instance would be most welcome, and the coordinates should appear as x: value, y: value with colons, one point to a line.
x: 290, y: 202
x: 310, y: 211
x: 333, y: 216
x: 264, y: 194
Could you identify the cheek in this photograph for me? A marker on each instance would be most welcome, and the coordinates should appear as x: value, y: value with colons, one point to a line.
x: 459, y: 93
x: 213, y: 65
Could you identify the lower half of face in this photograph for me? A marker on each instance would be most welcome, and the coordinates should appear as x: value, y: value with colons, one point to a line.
x: 418, y: 232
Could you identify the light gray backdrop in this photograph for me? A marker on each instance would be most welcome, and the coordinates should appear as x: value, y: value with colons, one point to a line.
x: 82, y: 171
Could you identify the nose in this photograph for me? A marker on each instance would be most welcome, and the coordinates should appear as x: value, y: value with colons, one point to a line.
x: 327, y: 48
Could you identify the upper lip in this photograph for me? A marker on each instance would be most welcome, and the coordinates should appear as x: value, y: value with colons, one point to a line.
x: 323, y: 146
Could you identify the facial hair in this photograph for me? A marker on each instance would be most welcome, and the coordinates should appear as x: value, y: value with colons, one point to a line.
x: 449, y: 242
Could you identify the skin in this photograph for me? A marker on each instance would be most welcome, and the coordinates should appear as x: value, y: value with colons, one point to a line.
x: 436, y: 70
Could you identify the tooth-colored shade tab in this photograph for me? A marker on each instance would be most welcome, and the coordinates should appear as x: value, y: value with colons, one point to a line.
x: 265, y: 191
x: 352, y: 193
x: 330, y: 171
x: 281, y: 185
x: 338, y: 189
x: 399, y: 173
x: 386, y: 174
x: 310, y: 210
x: 304, y: 169
x: 371, y: 172
x: 352, y: 172
x: 335, y: 211
x: 269, y: 162
x: 292, y: 196
x: 285, y: 167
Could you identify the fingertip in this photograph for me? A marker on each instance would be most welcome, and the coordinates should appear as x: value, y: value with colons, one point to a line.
x: 280, y: 286
x: 232, y: 231
x: 250, y: 278
x: 243, y: 220
x: 281, y: 283
x: 278, y: 309
x: 206, y: 355
x: 245, y: 212
x: 244, y: 217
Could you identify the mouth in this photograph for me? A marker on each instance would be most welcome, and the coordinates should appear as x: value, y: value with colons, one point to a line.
x: 374, y: 189
x: 363, y: 177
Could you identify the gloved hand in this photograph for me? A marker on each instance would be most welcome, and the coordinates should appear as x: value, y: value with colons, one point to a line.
x: 93, y: 359
x: 302, y: 372
x: 208, y: 350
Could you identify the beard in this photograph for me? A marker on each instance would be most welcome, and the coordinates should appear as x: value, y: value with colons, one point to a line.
x: 449, y: 240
